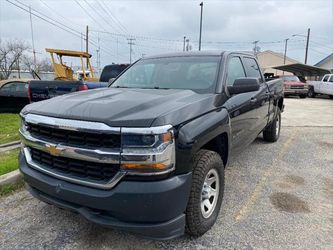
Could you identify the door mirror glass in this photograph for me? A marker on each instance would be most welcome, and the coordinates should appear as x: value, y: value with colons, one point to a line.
x: 244, y: 85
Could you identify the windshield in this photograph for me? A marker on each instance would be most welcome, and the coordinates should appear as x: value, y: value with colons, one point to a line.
x: 290, y: 79
x: 196, y: 73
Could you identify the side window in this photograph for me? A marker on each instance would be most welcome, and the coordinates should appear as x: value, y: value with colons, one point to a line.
x: 326, y: 78
x: 331, y: 79
x: 8, y: 87
x: 235, y: 70
x: 252, y: 68
x: 20, y: 86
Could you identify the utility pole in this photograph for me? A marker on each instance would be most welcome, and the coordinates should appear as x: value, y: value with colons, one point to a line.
x: 285, y: 50
x: 201, y: 5
x: 255, y: 48
x: 32, y: 38
x: 184, y: 43
x: 187, y: 44
x: 81, y: 38
x: 307, y: 46
x: 98, y: 55
x: 87, y: 37
x: 131, y: 42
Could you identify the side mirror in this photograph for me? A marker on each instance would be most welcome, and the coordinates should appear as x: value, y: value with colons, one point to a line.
x: 111, y: 80
x: 243, y: 85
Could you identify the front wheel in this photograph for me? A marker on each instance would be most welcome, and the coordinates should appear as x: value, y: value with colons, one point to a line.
x: 302, y: 96
x: 272, y: 132
x: 311, y: 93
x: 206, y: 192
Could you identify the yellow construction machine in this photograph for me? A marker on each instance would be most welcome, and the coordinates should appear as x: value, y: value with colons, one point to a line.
x: 66, y: 73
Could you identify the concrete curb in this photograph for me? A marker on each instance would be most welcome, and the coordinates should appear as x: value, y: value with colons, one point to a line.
x: 10, y: 178
x: 13, y: 143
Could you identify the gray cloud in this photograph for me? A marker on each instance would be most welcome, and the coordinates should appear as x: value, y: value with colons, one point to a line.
x: 240, y: 22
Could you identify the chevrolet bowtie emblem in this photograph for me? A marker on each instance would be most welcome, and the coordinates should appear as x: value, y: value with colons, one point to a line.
x: 53, y: 150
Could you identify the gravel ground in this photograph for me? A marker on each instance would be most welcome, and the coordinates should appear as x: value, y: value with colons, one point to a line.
x: 277, y: 196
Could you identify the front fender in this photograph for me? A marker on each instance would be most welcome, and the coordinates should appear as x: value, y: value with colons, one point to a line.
x: 196, y: 133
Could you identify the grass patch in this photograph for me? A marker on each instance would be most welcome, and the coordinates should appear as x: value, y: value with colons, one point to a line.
x: 9, y: 124
x: 8, y: 161
x: 10, y: 188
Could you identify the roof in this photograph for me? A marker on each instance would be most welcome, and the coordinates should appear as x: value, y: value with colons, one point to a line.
x: 278, y: 55
x: 301, y: 69
x: 72, y: 53
x: 324, y: 60
x: 3, y: 82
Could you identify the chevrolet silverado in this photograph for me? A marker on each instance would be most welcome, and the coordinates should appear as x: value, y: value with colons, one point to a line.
x: 148, y: 154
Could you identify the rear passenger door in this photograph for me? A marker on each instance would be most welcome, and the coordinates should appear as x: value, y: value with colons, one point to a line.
x: 260, y: 99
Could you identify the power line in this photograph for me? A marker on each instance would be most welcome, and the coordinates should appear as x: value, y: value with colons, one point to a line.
x: 98, y: 14
x: 108, y: 13
x: 56, y: 24
x: 88, y: 14
x: 56, y: 13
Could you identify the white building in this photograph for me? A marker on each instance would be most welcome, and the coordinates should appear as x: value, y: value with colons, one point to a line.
x: 268, y: 59
x: 326, y: 63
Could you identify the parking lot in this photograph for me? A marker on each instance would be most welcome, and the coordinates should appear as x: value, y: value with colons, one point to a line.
x: 277, y: 196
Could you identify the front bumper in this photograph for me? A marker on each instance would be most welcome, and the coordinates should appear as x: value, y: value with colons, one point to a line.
x: 296, y: 91
x: 153, y: 209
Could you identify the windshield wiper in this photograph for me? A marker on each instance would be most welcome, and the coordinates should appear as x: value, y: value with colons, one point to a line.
x: 120, y: 87
x: 157, y: 87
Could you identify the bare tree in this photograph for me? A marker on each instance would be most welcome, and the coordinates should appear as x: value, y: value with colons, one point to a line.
x: 41, y: 65
x: 10, y: 53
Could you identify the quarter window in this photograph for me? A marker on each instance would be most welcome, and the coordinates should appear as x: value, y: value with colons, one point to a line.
x: 235, y: 70
x: 252, y: 68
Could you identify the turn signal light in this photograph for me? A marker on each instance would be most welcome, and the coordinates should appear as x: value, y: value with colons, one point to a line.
x: 134, y: 166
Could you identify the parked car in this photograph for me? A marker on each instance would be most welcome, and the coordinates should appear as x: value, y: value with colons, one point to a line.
x: 324, y: 87
x: 292, y: 85
x: 13, y: 95
x: 148, y: 153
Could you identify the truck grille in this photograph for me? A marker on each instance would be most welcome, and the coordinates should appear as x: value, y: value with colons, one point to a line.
x: 297, y: 86
x: 69, y: 137
x: 75, y: 168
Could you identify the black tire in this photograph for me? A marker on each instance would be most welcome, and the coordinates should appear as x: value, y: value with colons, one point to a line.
x: 331, y: 96
x: 271, y: 134
x: 311, y: 93
x: 302, y: 96
x: 204, y: 162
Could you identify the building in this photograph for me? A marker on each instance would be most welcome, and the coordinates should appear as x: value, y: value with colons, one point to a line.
x: 268, y: 59
x: 326, y: 63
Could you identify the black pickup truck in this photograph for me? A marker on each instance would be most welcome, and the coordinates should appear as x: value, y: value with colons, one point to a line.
x: 147, y: 155
x: 40, y: 90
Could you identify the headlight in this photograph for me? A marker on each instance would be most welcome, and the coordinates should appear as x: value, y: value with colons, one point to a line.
x: 148, y: 151
x: 23, y: 125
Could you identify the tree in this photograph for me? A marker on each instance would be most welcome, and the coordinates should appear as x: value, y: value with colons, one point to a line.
x: 10, y: 53
x: 41, y: 65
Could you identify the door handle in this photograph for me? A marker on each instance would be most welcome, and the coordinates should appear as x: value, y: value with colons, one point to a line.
x: 253, y: 100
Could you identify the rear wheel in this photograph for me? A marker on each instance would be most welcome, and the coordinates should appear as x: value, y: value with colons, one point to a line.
x: 331, y: 96
x: 206, y: 192
x: 303, y: 96
x: 311, y: 93
x: 272, y: 132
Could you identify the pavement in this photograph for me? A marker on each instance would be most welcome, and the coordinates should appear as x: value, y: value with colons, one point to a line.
x: 277, y: 196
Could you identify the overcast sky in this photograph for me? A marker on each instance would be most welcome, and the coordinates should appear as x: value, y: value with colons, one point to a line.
x: 159, y: 26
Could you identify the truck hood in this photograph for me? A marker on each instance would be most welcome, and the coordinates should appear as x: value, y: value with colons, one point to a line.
x: 127, y: 107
